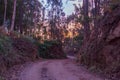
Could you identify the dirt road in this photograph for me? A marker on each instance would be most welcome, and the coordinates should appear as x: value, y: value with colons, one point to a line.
x: 56, y: 70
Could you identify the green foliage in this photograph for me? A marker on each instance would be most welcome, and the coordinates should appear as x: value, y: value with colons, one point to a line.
x: 50, y: 49
x: 72, y: 45
x: 15, y: 50
x: 78, y: 39
x: 6, y: 52
x: 114, y: 4
x: 5, y: 44
x: 113, y: 68
x: 52, y: 42
x: 24, y: 7
x: 28, y: 38
x: 111, y: 5
x: 1, y: 78
x: 43, y: 48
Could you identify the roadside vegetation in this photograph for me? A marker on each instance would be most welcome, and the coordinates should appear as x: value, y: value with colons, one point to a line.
x: 37, y: 29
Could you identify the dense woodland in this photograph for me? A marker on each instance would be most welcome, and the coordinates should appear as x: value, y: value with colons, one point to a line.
x: 33, y: 29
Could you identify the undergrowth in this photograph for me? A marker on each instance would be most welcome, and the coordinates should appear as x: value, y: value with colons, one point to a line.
x: 1, y: 78
x: 50, y: 49
x: 15, y: 50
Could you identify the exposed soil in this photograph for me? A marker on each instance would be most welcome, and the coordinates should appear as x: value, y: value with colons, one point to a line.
x: 56, y: 70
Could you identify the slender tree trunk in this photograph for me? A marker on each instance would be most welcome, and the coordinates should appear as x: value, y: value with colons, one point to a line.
x: 86, y: 21
x: 21, y: 17
x: 96, y: 16
x: 5, y: 1
x: 43, y: 14
x: 13, y: 16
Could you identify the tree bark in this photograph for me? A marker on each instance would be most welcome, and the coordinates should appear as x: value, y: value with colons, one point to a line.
x: 97, y: 13
x: 5, y: 2
x: 13, y: 16
x: 21, y: 11
x: 86, y: 21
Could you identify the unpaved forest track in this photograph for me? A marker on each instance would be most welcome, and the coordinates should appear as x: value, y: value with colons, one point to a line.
x: 56, y: 70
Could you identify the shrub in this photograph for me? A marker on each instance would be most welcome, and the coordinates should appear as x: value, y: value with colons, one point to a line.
x: 1, y: 78
x: 51, y: 49
x: 25, y: 48
x: 15, y: 50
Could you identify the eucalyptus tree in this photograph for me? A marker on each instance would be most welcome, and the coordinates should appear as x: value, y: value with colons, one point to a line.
x: 13, y: 16
x: 29, y: 14
x: 86, y: 19
x: 5, y: 2
x: 54, y: 17
x: 20, y: 14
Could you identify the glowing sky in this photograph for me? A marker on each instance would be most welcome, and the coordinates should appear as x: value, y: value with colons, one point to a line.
x: 68, y: 6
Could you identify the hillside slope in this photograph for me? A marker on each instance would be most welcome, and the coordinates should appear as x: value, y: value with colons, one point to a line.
x: 102, y: 52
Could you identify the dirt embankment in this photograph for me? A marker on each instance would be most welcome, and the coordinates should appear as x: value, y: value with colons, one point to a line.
x: 102, y: 51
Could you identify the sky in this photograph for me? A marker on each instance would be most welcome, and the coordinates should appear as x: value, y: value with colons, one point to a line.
x: 68, y: 6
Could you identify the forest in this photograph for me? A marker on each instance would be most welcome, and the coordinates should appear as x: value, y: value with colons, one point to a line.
x: 46, y: 40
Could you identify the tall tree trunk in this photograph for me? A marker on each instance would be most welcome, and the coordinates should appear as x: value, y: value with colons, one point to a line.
x: 13, y: 16
x: 86, y: 20
x: 5, y: 1
x: 43, y: 14
x: 96, y: 16
x: 21, y: 11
